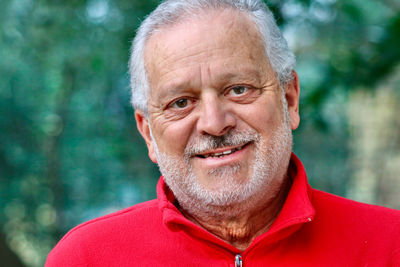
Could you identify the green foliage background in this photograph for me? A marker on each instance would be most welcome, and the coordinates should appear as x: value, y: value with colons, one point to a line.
x: 69, y: 148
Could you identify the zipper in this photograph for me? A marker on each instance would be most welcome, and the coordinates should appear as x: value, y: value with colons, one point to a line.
x: 238, y: 261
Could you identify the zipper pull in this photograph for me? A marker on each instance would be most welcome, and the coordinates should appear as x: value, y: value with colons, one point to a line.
x: 238, y: 260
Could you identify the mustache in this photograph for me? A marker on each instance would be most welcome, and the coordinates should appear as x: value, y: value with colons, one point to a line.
x: 205, y: 143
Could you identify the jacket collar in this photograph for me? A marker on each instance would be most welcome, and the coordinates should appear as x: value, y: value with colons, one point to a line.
x: 297, y: 209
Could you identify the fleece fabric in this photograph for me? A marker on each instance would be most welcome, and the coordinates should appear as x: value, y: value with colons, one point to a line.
x: 312, y: 229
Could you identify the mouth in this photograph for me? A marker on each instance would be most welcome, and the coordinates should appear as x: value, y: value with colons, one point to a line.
x: 222, y: 152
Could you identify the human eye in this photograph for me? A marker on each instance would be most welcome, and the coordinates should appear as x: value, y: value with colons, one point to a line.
x: 242, y: 94
x: 180, y: 104
x: 238, y: 90
x: 179, y: 108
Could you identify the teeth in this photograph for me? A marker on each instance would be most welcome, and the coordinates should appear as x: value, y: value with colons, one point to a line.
x: 223, y: 153
x: 227, y: 152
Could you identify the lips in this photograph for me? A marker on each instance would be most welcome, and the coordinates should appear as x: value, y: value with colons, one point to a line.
x: 221, y: 153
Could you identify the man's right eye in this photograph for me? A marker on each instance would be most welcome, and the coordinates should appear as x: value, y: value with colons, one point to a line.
x: 180, y: 103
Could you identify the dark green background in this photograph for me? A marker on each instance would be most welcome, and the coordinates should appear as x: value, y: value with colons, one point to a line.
x: 69, y: 148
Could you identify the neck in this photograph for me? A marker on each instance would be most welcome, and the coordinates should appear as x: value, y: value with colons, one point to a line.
x: 240, y: 229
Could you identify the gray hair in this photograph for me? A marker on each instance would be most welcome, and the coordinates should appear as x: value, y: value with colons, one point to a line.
x: 171, y: 12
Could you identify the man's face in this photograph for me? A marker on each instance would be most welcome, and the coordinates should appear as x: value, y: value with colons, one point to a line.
x: 216, y: 114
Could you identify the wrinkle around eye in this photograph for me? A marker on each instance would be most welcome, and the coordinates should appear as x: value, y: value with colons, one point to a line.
x: 172, y: 112
x: 248, y: 96
x: 232, y: 92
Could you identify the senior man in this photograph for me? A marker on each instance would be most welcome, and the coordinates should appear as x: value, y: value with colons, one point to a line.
x: 216, y: 99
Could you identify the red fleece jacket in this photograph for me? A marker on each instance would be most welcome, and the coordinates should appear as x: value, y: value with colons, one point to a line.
x: 313, y: 229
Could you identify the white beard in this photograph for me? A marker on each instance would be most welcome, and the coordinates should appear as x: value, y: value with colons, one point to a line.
x: 267, y: 173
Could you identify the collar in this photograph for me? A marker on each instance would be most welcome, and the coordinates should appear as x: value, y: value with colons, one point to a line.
x: 296, y: 210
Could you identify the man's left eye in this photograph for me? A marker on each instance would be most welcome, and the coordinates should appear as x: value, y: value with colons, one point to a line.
x: 238, y: 90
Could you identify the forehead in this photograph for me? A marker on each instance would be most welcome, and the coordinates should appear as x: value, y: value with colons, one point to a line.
x: 223, y: 40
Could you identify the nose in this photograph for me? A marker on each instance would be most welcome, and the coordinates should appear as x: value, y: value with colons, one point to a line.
x: 215, y: 119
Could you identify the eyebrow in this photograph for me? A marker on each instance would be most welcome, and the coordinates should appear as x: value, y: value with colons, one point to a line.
x: 174, y: 88
x: 246, y: 74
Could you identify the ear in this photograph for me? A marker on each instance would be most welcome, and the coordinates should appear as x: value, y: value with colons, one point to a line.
x: 292, y: 94
x: 144, y: 129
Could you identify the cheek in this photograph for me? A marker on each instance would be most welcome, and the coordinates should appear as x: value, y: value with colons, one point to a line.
x: 262, y: 117
x: 173, y: 137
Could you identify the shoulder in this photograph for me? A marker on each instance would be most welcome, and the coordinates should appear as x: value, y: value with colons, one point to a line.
x: 136, y: 214
x: 114, y: 227
x: 353, y: 212
x: 366, y: 229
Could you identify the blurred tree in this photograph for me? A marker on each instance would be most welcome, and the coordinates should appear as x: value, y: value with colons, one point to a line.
x: 69, y: 149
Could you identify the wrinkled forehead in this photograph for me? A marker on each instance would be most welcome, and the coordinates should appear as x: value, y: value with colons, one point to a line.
x: 236, y: 23
x: 218, y: 33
